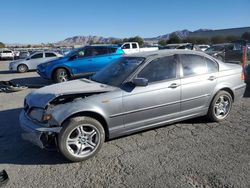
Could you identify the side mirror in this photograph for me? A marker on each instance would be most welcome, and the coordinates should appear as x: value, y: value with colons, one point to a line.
x: 73, y: 57
x: 140, y: 81
x: 28, y: 58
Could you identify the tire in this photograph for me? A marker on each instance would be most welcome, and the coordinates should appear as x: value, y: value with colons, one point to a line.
x: 220, y: 58
x: 22, y: 68
x: 81, y: 138
x: 220, y: 106
x: 61, y: 75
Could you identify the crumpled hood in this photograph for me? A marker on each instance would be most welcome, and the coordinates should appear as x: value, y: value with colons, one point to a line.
x: 41, y: 97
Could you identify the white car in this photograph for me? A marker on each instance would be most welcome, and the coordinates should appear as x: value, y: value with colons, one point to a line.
x: 6, y: 54
x: 31, y: 62
x: 133, y: 47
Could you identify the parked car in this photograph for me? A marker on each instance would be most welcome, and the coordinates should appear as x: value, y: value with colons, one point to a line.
x: 133, y: 47
x: 134, y: 93
x: 6, y: 54
x: 228, y: 52
x: 31, y: 62
x: 183, y: 46
x: 203, y: 47
x: 24, y: 54
x: 83, y: 61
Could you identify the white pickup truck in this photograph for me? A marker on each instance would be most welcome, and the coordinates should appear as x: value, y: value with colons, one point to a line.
x: 133, y: 47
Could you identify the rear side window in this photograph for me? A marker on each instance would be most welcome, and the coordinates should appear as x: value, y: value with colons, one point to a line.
x: 160, y: 69
x: 192, y: 65
x: 36, y: 56
x: 211, y: 65
x: 134, y: 45
x: 50, y: 55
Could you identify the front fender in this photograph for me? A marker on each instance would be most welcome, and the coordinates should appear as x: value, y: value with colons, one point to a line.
x: 62, y: 112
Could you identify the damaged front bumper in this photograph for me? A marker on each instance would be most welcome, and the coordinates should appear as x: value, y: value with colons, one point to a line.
x: 35, y: 133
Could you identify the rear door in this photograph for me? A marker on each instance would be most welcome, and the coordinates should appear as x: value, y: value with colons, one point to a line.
x: 135, y: 47
x: 198, y: 80
x: 50, y: 56
x: 35, y: 60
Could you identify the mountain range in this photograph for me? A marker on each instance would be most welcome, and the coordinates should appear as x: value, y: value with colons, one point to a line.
x: 208, y: 33
x: 83, y: 40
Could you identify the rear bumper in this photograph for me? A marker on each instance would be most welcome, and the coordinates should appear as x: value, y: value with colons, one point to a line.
x: 34, y: 133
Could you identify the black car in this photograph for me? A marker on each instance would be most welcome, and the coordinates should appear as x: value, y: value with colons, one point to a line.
x: 228, y: 52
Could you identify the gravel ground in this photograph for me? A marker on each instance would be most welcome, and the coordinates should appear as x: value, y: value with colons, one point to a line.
x: 194, y: 153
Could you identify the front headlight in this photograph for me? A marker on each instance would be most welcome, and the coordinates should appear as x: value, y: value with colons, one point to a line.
x: 36, y: 114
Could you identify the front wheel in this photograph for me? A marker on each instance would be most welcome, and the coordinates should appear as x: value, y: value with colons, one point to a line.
x: 220, y: 107
x: 22, y: 68
x: 61, y: 75
x: 81, y: 138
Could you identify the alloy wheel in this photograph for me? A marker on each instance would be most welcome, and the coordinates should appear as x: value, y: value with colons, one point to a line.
x: 83, y: 140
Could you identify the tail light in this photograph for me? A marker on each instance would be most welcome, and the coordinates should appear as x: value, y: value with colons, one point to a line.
x: 243, y: 72
x: 242, y: 75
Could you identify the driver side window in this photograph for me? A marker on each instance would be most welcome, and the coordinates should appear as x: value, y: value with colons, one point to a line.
x: 160, y: 69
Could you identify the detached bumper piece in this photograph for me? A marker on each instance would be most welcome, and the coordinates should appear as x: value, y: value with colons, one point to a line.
x: 4, y: 178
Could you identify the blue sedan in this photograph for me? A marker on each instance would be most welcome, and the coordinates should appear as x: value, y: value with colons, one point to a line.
x: 83, y: 61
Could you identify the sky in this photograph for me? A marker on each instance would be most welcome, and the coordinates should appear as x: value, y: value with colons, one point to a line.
x: 43, y: 21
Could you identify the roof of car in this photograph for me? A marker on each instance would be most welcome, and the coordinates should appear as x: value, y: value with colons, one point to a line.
x: 164, y: 52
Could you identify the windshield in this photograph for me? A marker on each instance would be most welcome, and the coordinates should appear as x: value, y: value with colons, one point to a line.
x: 115, y: 73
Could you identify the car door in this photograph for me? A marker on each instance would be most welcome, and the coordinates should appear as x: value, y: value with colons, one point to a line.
x: 157, y: 102
x: 126, y: 48
x: 101, y: 57
x: 81, y: 62
x: 198, y: 80
x: 35, y: 60
x: 135, y: 47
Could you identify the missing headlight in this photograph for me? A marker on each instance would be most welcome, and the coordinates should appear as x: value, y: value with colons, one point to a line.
x: 36, y: 114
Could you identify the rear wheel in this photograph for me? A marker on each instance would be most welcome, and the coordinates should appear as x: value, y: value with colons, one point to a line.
x: 81, y: 138
x: 61, y: 75
x: 22, y: 68
x: 220, y: 107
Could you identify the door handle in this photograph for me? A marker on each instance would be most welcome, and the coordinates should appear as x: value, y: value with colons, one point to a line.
x: 110, y: 58
x: 211, y: 78
x: 174, y: 85
x: 90, y: 60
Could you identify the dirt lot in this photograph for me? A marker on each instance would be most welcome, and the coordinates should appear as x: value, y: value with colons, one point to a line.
x: 187, y: 154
